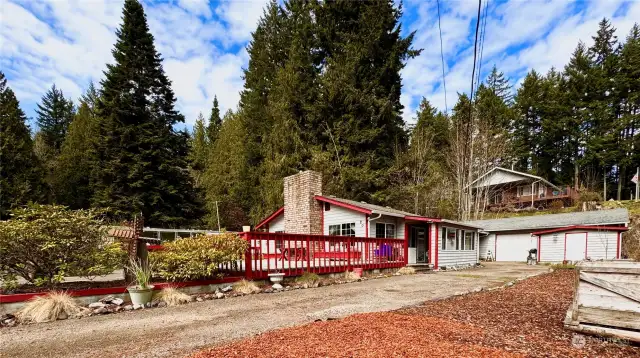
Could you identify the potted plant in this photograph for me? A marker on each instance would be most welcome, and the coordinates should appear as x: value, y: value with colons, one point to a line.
x: 142, y: 291
x: 276, y: 278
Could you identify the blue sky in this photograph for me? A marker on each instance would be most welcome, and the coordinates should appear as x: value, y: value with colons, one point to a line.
x: 68, y: 42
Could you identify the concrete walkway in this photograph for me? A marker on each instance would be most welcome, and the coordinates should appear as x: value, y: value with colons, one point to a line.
x: 178, y: 331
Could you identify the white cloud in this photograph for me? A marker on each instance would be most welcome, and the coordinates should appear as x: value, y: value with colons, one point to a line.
x: 241, y: 17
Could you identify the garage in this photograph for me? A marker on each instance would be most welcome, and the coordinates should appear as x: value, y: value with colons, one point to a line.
x: 514, y: 247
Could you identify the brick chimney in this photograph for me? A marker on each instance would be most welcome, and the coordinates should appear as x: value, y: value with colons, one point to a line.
x: 302, y: 213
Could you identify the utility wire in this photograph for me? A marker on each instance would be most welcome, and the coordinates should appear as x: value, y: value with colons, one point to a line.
x: 444, y: 80
x: 475, y: 54
x: 483, y: 33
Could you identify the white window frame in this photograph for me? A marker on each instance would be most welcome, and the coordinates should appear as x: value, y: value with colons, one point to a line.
x: 521, y: 190
x: 385, y: 233
x: 458, y: 242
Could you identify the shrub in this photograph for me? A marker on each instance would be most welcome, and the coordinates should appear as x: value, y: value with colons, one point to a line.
x: 44, y: 243
x: 172, y: 297
x: 309, y: 278
x: 556, y: 206
x: 197, y: 257
x: 53, y: 306
x: 246, y: 287
x: 141, y: 273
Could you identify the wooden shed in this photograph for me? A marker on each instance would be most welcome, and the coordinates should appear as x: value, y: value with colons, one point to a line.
x: 606, y: 300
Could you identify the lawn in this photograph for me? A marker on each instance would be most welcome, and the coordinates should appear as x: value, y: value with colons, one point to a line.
x: 524, y: 320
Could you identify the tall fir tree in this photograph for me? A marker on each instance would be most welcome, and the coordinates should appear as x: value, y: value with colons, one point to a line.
x: 55, y: 114
x: 359, y: 101
x: 215, y: 122
x: 142, y: 159
x: 199, y: 152
x: 21, y: 175
x: 224, y: 196
x: 71, y: 184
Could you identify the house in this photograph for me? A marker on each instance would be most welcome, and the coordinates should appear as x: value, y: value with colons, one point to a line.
x: 499, y: 188
x: 557, y: 237
x: 428, y: 241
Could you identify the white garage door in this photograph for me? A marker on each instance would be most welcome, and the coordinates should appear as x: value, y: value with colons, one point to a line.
x: 514, y: 247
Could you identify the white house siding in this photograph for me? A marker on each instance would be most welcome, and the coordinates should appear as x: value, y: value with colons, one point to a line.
x: 487, y: 243
x: 385, y: 219
x: 447, y: 258
x: 600, y: 245
x: 337, y: 215
x: 277, y: 224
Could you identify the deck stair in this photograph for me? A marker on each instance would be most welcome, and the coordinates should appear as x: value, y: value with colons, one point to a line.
x: 421, y: 268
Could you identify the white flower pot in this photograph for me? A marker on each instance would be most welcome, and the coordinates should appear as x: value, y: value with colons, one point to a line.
x: 276, y: 278
x: 140, y: 296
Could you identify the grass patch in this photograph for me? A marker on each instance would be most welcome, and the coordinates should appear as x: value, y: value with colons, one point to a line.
x: 407, y: 271
x: 173, y: 297
x: 309, y: 278
x: 50, y: 307
x: 246, y: 287
x: 468, y: 275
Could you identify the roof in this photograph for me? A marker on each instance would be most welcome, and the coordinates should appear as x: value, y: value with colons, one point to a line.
x: 582, y: 227
x: 270, y: 217
x: 539, y: 222
x: 371, y: 208
x: 513, y: 172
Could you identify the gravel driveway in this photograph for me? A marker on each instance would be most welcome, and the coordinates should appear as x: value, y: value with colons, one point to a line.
x: 181, y: 330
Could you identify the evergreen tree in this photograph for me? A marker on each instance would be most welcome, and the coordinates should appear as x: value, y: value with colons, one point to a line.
x: 143, y: 166
x: 198, y: 154
x: 215, y: 122
x: 55, y: 113
x: 224, y: 196
x: 527, y: 122
x: 21, y: 176
x: 71, y: 184
x: 499, y: 85
x: 362, y: 53
x: 434, y: 124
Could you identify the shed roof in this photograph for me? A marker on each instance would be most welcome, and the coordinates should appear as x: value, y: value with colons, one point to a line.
x: 508, y: 176
x: 535, y: 222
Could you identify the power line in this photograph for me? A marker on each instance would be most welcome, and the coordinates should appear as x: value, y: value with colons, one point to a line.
x: 444, y: 81
x: 475, y: 54
x: 483, y: 33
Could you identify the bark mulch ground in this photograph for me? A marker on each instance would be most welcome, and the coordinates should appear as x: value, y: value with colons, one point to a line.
x: 525, y: 320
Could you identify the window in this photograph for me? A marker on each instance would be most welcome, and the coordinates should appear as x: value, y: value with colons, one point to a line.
x: 384, y: 230
x: 458, y: 239
x: 450, y: 241
x: 349, y: 229
x: 343, y: 229
x: 469, y: 241
x: 524, y: 190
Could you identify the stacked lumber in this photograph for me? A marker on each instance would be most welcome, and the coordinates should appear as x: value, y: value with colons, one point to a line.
x: 606, y: 300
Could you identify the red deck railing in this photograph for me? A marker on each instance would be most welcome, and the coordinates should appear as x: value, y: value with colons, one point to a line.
x: 294, y: 254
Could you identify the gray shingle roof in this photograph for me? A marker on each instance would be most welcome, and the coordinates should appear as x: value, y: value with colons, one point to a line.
x: 376, y: 208
x: 599, y: 217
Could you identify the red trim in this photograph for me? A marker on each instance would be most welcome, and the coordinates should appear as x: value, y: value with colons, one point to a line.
x: 366, y: 225
x: 155, y: 248
x: 322, y: 219
x: 437, y: 245
x: 344, y: 205
x: 270, y: 217
x: 581, y: 227
x: 539, y: 246
x: 21, y: 297
x: 406, y: 243
x: 422, y: 218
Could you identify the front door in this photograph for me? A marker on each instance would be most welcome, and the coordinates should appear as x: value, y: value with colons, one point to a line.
x: 420, y: 235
